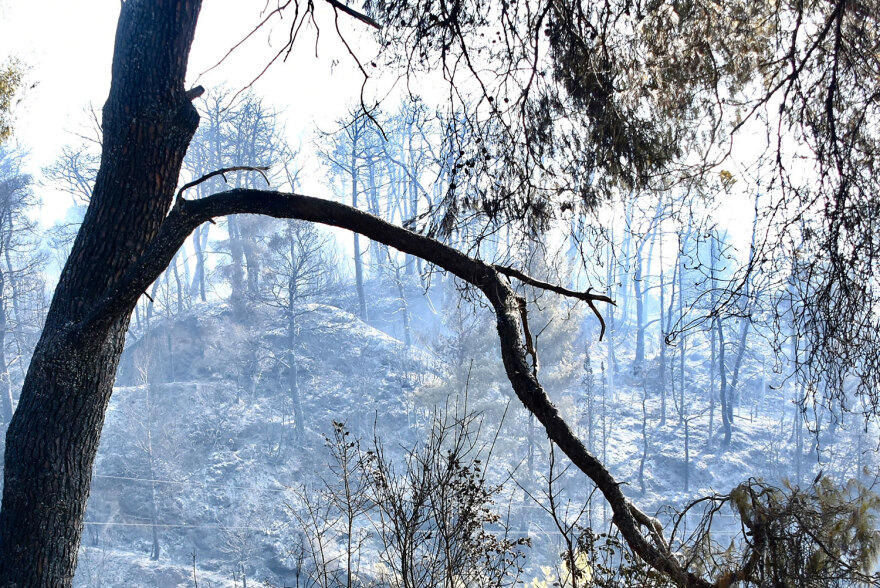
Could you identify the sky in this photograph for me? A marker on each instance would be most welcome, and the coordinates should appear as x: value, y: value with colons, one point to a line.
x: 67, y: 48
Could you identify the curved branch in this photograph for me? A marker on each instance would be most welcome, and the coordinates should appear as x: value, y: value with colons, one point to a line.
x: 587, y: 296
x: 222, y: 172
x: 186, y: 215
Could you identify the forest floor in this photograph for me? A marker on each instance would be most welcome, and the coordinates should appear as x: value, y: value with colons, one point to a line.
x: 208, y: 458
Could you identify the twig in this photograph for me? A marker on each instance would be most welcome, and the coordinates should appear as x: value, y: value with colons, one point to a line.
x: 587, y: 296
x: 354, y: 13
x: 530, y: 344
x: 222, y: 172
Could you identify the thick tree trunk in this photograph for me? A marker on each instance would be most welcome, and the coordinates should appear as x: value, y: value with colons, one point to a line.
x: 52, y: 441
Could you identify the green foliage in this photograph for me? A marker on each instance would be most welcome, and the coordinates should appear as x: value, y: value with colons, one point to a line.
x: 10, y: 83
x: 825, y: 535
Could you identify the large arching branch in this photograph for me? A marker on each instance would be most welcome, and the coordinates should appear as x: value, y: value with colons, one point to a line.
x: 493, y: 281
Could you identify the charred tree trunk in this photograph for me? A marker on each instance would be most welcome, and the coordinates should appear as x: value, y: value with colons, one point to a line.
x: 148, y: 121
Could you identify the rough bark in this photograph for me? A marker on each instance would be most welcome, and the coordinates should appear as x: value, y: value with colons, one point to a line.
x: 51, y: 443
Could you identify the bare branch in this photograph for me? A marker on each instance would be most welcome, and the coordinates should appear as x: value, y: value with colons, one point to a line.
x: 222, y: 172
x: 186, y: 215
x: 587, y: 296
x: 354, y: 13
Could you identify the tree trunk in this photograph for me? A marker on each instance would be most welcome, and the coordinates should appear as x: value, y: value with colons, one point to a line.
x: 14, y: 297
x: 358, y: 259
x: 644, y: 441
x: 723, y: 392
x: 5, y: 387
x: 236, y: 268
x: 198, y: 285
x: 148, y: 121
x: 712, y: 361
x: 292, y: 367
x: 737, y: 364
x: 687, y: 455
x: 661, y: 370
x: 639, y: 289
x: 681, y: 356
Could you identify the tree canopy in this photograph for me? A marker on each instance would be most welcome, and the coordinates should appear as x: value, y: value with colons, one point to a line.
x: 554, y: 107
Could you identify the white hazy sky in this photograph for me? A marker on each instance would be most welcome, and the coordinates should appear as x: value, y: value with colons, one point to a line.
x: 67, y: 47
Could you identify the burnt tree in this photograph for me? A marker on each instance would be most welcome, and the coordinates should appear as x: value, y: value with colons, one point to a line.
x: 132, y: 230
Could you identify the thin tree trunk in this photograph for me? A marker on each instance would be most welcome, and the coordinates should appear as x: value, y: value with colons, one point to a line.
x: 661, y: 376
x: 5, y: 386
x: 712, y: 351
x: 638, y: 287
x: 683, y: 344
x: 151, y: 474
x: 723, y: 395
x: 15, y: 297
x: 292, y: 366
x: 358, y: 259
x: 644, y: 440
x: 236, y: 268
x: 687, y: 455
x: 198, y: 285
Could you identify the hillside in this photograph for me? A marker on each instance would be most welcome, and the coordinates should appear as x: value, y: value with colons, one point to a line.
x: 201, y: 467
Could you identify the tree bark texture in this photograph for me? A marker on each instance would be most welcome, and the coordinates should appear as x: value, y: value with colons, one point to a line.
x: 148, y: 121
